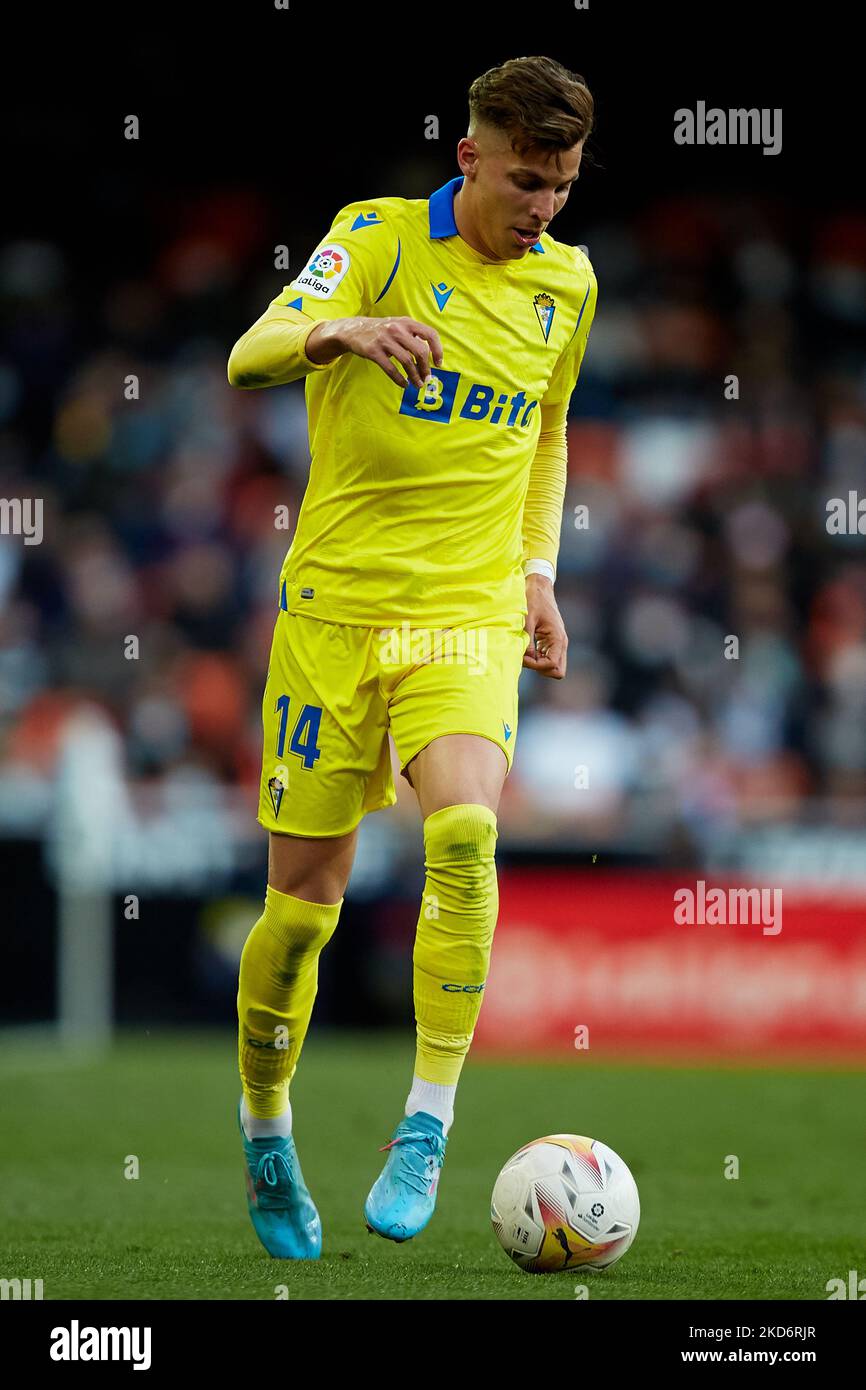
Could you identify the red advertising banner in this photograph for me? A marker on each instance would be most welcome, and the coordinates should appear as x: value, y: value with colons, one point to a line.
x: 649, y: 961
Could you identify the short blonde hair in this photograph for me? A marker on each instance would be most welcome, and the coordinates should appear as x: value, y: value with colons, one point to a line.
x: 537, y: 102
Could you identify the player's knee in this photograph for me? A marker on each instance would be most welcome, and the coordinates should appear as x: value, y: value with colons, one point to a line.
x: 465, y: 833
x: 313, y: 870
x: 301, y: 926
x: 324, y: 884
x: 460, y: 846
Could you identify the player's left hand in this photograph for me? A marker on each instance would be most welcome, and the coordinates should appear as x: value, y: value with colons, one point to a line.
x: 548, y: 641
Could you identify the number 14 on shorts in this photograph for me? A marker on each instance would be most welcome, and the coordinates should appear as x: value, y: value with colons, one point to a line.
x: 305, y: 734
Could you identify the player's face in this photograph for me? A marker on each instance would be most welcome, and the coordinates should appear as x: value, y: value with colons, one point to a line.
x: 514, y: 198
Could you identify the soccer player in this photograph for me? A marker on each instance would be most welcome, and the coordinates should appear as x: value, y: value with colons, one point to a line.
x: 441, y: 339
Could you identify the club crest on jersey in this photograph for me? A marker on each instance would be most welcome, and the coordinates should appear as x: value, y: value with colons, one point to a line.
x: 321, y: 276
x: 545, y: 308
x: 276, y: 787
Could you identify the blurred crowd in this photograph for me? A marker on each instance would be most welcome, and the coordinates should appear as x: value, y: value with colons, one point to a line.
x: 717, y: 661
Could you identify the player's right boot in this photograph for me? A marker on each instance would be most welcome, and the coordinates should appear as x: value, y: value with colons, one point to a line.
x: 281, y: 1209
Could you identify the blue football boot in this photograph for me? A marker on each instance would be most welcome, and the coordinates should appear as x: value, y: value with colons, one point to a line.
x: 401, y: 1200
x: 282, y: 1211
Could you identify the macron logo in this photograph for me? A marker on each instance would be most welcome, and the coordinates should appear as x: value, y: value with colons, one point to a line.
x: 442, y: 293
x: 76, y: 1343
x: 507, y: 730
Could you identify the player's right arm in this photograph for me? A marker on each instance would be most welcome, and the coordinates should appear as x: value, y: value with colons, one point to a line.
x: 324, y: 313
x: 403, y: 338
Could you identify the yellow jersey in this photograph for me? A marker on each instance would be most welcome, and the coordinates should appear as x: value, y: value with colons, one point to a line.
x: 414, y: 506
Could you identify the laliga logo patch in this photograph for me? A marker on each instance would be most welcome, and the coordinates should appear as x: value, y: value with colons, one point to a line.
x: 545, y: 308
x: 324, y: 272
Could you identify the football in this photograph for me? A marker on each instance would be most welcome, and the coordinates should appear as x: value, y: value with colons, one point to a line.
x: 565, y: 1202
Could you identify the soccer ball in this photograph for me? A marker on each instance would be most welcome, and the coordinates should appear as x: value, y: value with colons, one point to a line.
x: 565, y: 1201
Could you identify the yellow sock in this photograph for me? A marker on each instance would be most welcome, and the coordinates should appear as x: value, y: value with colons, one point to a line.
x: 279, y: 975
x: 454, y: 936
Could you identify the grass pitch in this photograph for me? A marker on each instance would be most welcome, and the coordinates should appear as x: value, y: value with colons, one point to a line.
x: 792, y: 1220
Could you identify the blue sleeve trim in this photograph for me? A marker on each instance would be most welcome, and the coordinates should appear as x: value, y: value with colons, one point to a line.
x: 582, y: 307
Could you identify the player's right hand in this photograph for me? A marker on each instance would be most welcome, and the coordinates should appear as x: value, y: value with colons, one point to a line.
x: 405, y: 339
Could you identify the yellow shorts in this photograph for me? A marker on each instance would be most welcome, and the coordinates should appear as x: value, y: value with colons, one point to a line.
x: 334, y: 690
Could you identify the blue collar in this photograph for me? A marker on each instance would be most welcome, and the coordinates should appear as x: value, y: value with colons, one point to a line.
x: 441, y: 204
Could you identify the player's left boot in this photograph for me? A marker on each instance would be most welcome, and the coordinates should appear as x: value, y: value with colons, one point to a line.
x: 281, y: 1209
x: 401, y: 1200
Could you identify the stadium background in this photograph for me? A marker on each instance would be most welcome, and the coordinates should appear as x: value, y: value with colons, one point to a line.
x: 707, y: 518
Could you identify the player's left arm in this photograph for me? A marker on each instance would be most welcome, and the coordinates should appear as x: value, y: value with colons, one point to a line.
x: 542, y: 510
x: 542, y: 519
